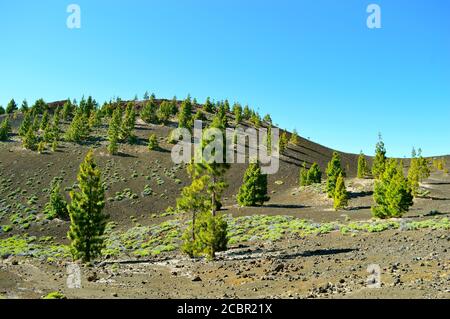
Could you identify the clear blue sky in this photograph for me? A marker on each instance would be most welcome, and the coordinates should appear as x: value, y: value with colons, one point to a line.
x: 312, y: 64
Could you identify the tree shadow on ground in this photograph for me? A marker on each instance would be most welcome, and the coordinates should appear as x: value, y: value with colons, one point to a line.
x: 161, y: 150
x: 121, y: 154
x: 429, y: 214
x: 360, y: 194
x: 143, y: 128
x: 438, y: 183
x: 358, y: 208
x: 249, y: 254
x: 433, y: 198
x: 292, y: 206
x: 319, y: 252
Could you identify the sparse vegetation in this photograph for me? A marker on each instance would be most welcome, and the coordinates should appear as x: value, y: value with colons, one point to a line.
x: 137, y: 185
x: 54, y: 295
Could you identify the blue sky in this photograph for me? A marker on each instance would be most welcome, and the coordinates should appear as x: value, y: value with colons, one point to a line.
x: 312, y: 64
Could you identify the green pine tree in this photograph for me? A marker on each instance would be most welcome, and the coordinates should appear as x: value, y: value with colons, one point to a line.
x: 206, y: 234
x: 254, y: 187
x: 215, y: 169
x: 303, y: 175
x: 57, y: 205
x: 246, y: 113
x: 237, y: 111
x: 148, y: 113
x: 39, y: 106
x: 340, y: 194
x: 87, y: 220
x: 78, y: 130
x: 5, y: 129
x: 314, y: 175
x: 362, y: 166
x: 208, y: 107
x: 213, y: 234
x: 41, y: 147
x: 24, y: 107
x: 67, y: 110
x: 87, y: 106
x: 95, y: 119
x: 49, y: 133
x: 174, y: 106
x: 424, y: 166
x: 56, y: 116
x: 164, y: 112
x: 255, y: 119
x: 334, y: 169
x: 113, y: 131
x: 419, y: 170
x: 268, y: 140
x: 127, y: 127
x: 379, y: 161
x: 185, y: 114
x: 283, y: 142
x: 194, y: 201
x: 294, y: 139
x: 226, y: 106
x: 36, y: 123
x: 267, y: 119
x: 413, y: 176
x: 153, y: 143
x: 200, y: 116
x: 11, y: 107
x: 29, y: 141
x: 55, y: 145
x: 44, y: 121
x: 392, y: 194
x: 220, y: 119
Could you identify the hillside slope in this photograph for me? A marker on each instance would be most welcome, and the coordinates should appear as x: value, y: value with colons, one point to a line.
x: 141, y: 184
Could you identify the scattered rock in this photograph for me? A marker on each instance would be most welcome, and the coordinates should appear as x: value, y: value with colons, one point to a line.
x: 92, y: 277
x: 277, y: 267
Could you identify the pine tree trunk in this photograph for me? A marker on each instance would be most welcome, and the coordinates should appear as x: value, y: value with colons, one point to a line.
x: 193, y: 227
x: 213, y: 197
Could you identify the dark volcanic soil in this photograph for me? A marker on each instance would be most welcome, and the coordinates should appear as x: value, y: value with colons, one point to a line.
x: 413, y: 263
